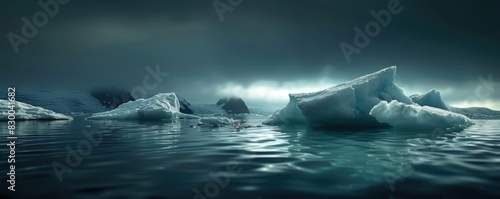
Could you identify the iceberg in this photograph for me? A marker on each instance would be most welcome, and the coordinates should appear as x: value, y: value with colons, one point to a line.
x: 413, y: 116
x: 372, y: 100
x: 162, y: 106
x: 344, y: 105
x: 24, y: 111
x: 431, y: 98
x: 216, y: 121
x: 113, y: 97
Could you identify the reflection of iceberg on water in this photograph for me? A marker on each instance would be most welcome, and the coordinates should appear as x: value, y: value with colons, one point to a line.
x: 349, y: 105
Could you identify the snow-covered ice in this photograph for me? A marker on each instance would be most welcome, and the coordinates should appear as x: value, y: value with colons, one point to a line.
x: 188, y: 116
x: 413, y: 116
x: 61, y: 100
x: 216, y: 121
x: 162, y: 106
x: 24, y: 111
x: 344, y: 105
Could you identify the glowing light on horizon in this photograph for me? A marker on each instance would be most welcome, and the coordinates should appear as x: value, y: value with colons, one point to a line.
x: 272, y: 91
x: 485, y: 103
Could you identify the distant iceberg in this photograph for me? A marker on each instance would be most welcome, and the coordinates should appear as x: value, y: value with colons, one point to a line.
x: 431, y: 98
x: 216, y: 121
x: 476, y: 112
x: 24, y: 111
x: 162, y: 106
x: 413, y: 116
x: 349, y: 105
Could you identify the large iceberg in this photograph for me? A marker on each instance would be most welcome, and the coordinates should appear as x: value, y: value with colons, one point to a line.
x: 162, y: 106
x: 24, y: 111
x: 364, y: 102
x: 344, y: 105
x: 412, y: 116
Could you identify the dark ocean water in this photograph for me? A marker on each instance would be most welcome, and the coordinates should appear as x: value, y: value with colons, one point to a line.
x: 156, y: 160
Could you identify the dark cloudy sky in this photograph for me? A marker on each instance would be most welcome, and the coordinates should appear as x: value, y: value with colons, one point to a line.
x: 262, y: 50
